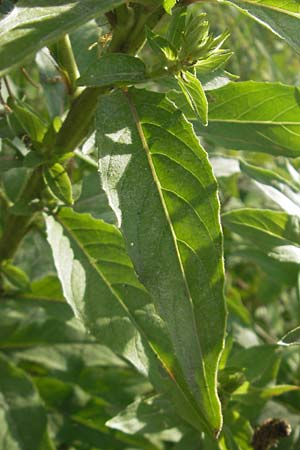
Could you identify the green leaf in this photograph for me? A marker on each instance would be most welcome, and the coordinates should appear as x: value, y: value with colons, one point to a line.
x: 213, y: 62
x: 254, y: 116
x: 280, y: 389
x: 114, y: 69
x: 93, y: 200
x: 20, y: 408
x: 58, y: 181
x: 160, y: 185
x: 291, y: 338
x: 32, y: 25
x: 176, y: 27
x: 266, y: 359
x: 168, y: 5
x: 31, y: 321
x: 263, y: 227
x: 101, y: 286
x: 7, y: 164
x: 32, y: 124
x: 52, y: 82
x: 282, y: 192
x: 125, y: 314
x: 146, y: 415
x: 161, y: 46
x: 195, y: 95
x: 280, y: 17
x: 16, y: 276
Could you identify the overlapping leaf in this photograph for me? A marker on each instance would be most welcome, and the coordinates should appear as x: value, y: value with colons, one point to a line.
x: 291, y: 338
x: 100, y: 284
x: 282, y: 192
x: 281, y: 17
x: 33, y: 24
x: 113, y: 69
x: 20, y: 407
x: 160, y: 185
x: 254, y: 116
x: 266, y: 228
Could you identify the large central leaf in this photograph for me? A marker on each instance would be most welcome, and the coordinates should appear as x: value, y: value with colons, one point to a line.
x: 160, y: 185
x: 32, y: 24
x: 100, y: 284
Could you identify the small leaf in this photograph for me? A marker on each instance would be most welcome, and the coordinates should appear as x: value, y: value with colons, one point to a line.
x: 32, y: 124
x: 15, y: 276
x: 265, y: 228
x: 114, y: 69
x: 168, y: 5
x: 195, y: 95
x: 176, y: 28
x: 161, y: 46
x: 278, y: 189
x: 59, y: 183
x: 213, y: 62
x: 291, y: 338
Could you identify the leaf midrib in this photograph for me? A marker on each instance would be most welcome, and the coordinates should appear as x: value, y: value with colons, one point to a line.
x: 169, y: 221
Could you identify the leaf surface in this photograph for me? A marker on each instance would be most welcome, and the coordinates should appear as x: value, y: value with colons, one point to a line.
x: 33, y: 24
x: 116, y: 68
x: 254, y: 116
x: 20, y: 407
x: 280, y: 17
x: 59, y: 183
x: 195, y: 95
x: 281, y: 191
x: 291, y: 338
x: 103, y: 290
x: 266, y: 228
x: 160, y: 185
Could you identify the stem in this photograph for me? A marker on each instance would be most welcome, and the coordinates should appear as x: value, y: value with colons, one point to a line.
x: 67, y: 61
x: 78, y: 121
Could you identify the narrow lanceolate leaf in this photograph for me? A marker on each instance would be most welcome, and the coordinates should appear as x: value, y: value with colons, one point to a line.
x: 31, y: 123
x: 280, y: 17
x: 58, y: 181
x: 23, y: 420
x: 281, y: 191
x: 254, y: 116
x: 160, y: 185
x: 195, y: 95
x: 114, y: 69
x: 264, y: 227
x: 101, y: 286
x: 291, y: 338
x: 33, y: 24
